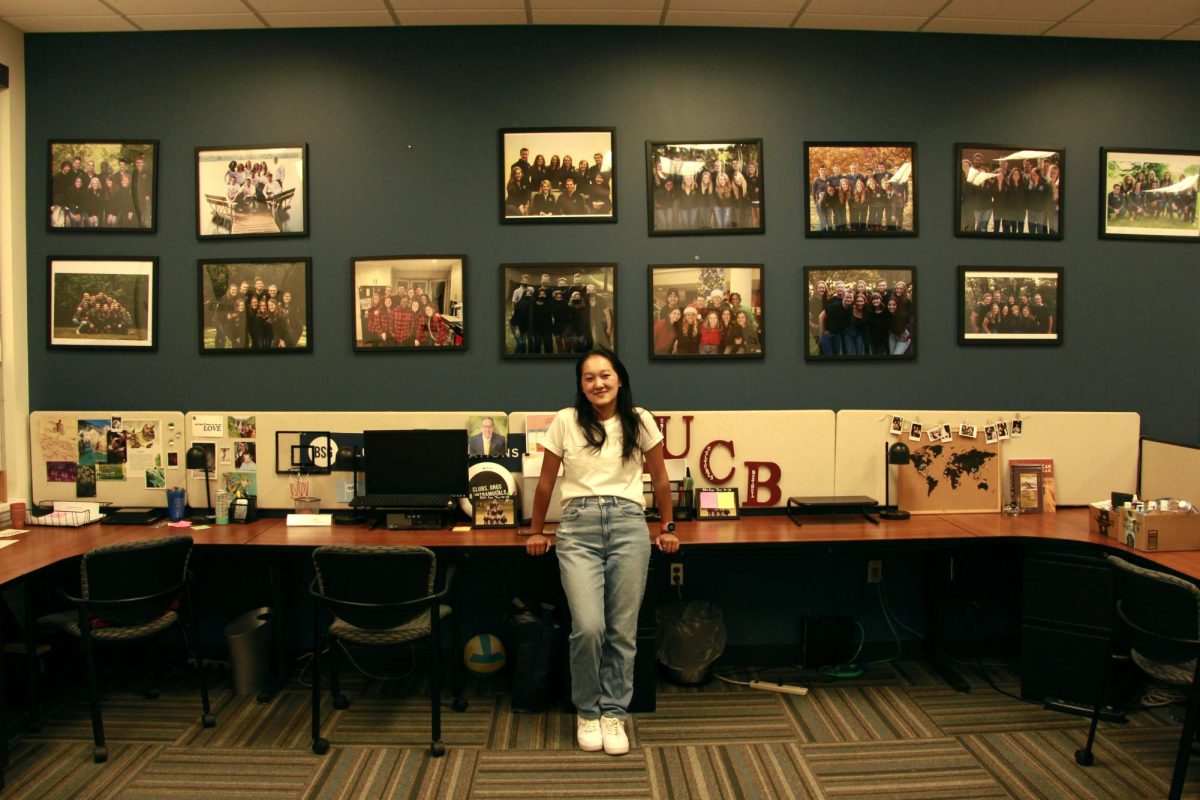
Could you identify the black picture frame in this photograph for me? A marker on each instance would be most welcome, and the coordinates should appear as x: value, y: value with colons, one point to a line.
x: 705, y: 512
x: 1117, y: 162
x: 440, y: 278
x: 110, y: 207
x: 979, y: 201
x: 538, y: 141
x: 274, y: 208
x: 904, y: 344
x: 223, y: 335
x: 688, y: 282
x: 671, y: 211
x: 973, y: 284
x: 568, y: 342
x: 834, y: 156
x: 95, y: 281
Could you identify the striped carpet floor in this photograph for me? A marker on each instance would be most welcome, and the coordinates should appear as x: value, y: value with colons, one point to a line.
x: 896, y: 732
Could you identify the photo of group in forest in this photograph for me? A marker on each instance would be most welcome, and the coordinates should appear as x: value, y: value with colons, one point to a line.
x: 705, y: 188
x: 1010, y: 306
x: 706, y: 311
x: 860, y: 313
x: 103, y: 186
x: 557, y: 175
x: 255, y: 305
x: 103, y: 303
x: 558, y: 310
x: 1010, y: 191
x: 860, y: 189
x: 1149, y: 194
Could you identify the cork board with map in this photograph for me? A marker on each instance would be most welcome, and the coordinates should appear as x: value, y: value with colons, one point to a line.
x: 960, y: 475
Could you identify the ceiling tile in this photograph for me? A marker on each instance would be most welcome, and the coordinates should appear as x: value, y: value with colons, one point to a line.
x: 1099, y: 30
x: 326, y: 6
x: 1191, y: 33
x: 883, y: 8
x: 1053, y: 10
x: 578, y: 16
x: 1010, y: 27
x: 608, y: 5
x: 730, y: 19
x: 179, y: 7
x: 771, y: 6
x: 1160, y: 12
x: 47, y: 8
x: 457, y: 5
x: 65, y: 24
x: 195, y: 22
x: 454, y: 17
x: 859, y: 22
x: 329, y: 19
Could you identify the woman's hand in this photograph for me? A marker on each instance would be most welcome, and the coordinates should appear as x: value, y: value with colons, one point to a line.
x: 538, y: 544
x: 667, y: 542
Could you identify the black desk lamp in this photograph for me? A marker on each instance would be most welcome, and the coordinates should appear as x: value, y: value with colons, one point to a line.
x: 354, y: 455
x: 897, y: 453
x: 197, y: 458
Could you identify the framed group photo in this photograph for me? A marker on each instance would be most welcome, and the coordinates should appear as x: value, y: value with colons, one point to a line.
x: 1012, y: 192
x: 860, y: 189
x: 102, y: 303
x: 557, y: 175
x: 706, y: 188
x: 1149, y: 194
x: 409, y: 303
x: 707, y: 311
x: 252, y: 191
x: 252, y: 305
x: 860, y: 313
x: 1007, y: 305
x: 557, y: 310
x: 103, y: 186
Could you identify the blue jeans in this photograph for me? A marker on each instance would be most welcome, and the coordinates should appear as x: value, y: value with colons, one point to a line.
x: 603, y: 553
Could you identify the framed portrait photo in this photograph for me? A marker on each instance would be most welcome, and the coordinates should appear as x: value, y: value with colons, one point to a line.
x: 557, y: 175
x: 557, y: 310
x: 860, y: 189
x: 259, y: 190
x: 1006, y: 305
x: 409, y: 304
x: 496, y: 512
x: 255, y: 305
x: 1149, y: 194
x: 1010, y: 192
x: 102, y: 303
x: 103, y: 186
x: 860, y: 313
x: 705, y: 188
x: 707, y: 311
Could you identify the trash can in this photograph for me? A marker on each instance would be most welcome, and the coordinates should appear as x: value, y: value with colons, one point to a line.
x: 249, y: 639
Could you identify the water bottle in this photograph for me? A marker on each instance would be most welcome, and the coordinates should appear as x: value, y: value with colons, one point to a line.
x: 222, y: 507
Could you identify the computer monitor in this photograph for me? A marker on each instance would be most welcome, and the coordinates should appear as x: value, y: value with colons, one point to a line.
x: 416, y: 462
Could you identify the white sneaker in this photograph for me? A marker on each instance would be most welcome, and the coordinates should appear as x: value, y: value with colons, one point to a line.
x: 616, y: 743
x: 587, y: 733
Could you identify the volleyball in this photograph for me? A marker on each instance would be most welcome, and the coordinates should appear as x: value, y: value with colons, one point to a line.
x: 484, y: 654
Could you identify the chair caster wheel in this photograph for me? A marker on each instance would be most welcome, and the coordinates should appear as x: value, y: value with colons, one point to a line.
x: 459, y: 704
x: 1084, y: 758
x: 99, y: 754
x: 320, y: 746
x: 437, y: 749
x: 341, y: 702
x: 208, y: 721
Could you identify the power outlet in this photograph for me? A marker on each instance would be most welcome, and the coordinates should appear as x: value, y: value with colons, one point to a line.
x: 677, y: 574
x: 345, y: 491
x: 874, y: 571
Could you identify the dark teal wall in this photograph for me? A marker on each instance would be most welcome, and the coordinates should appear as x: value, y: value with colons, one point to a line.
x: 401, y: 125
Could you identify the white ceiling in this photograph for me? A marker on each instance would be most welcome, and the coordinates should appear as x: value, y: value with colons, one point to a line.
x: 1120, y: 19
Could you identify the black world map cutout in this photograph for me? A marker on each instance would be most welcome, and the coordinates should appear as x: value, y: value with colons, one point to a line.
x: 956, y: 475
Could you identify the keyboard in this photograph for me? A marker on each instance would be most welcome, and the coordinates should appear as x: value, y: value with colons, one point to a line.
x: 402, y: 501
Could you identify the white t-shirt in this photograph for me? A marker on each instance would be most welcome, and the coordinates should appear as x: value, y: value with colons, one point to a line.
x: 587, y: 473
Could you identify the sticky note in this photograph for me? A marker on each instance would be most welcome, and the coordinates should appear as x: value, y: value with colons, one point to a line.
x: 725, y: 500
x: 708, y: 500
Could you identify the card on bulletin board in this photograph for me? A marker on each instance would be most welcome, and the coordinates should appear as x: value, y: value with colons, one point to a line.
x: 717, y: 503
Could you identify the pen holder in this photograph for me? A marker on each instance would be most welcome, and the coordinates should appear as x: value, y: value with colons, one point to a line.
x: 308, y: 505
x: 682, y: 510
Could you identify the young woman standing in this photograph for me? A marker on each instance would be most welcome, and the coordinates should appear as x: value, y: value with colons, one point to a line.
x: 603, y: 540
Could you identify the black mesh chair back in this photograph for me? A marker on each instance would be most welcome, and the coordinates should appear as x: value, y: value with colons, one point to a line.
x: 353, y: 579
x: 136, y: 582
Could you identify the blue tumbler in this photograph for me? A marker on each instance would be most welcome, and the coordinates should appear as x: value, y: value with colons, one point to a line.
x: 176, y: 501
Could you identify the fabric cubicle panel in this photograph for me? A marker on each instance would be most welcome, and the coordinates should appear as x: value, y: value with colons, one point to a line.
x: 1094, y: 452
x: 135, y: 471
x: 1169, y: 470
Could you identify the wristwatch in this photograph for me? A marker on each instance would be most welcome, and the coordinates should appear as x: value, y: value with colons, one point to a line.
x: 668, y: 528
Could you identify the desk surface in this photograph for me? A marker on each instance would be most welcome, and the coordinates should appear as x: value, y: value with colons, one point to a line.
x: 42, y: 547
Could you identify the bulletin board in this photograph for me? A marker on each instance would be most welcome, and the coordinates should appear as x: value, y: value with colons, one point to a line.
x: 127, y: 458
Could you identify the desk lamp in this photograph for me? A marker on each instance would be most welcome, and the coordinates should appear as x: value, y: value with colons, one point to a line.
x: 354, y: 456
x: 897, y: 453
x: 197, y: 458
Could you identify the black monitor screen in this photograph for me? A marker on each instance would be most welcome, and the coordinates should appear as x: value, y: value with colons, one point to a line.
x: 416, y: 462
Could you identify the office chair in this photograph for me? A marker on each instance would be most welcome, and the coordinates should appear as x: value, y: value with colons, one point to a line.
x: 380, y: 596
x: 1160, y: 614
x: 130, y: 591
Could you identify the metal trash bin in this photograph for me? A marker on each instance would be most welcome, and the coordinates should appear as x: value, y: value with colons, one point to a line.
x: 249, y: 640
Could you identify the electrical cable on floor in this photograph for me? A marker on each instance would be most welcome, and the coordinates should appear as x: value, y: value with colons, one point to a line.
x: 888, y: 609
x: 851, y: 668
x: 888, y: 619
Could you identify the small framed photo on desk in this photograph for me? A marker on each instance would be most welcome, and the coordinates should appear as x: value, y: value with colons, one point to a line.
x: 717, y: 503
x: 496, y: 512
x: 1027, y: 488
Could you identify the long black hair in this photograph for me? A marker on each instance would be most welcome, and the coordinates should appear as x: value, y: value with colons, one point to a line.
x: 593, y: 428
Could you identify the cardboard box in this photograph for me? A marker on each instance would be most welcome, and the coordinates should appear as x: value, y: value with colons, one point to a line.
x: 1160, y: 531
x: 1104, y: 521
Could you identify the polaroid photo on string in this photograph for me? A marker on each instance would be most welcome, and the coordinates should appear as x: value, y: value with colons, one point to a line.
x: 1002, y: 430
x: 989, y: 434
x: 914, y: 432
x: 897, y: 427
x: 947, y: 433
x: 967, y: 431
x: 934, y: 434
x: 1015, y: 429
